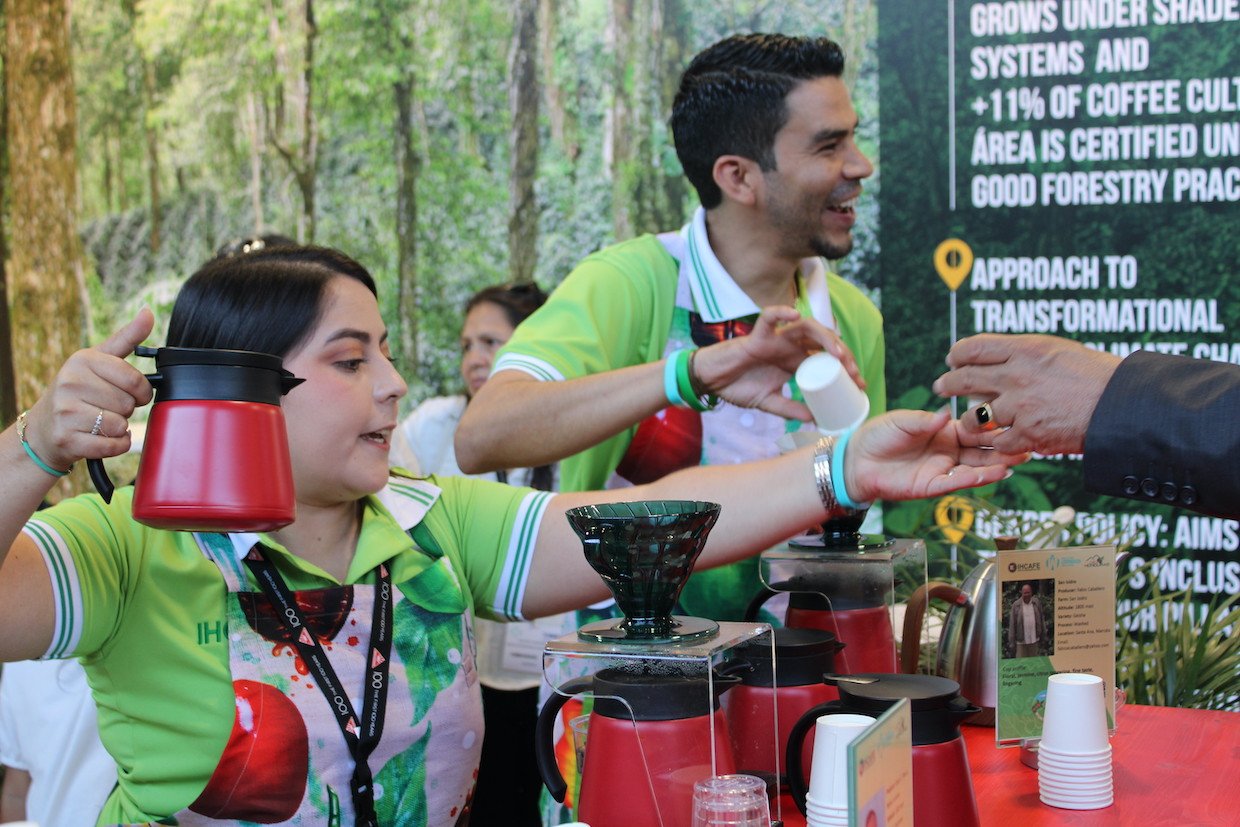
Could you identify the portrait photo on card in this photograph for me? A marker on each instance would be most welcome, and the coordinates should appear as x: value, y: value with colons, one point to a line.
x: 1029, y: 618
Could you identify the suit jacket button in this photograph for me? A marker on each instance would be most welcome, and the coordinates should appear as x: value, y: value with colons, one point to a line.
x: 1129, y: 485
x: 1148, y: 487
x: 1188, y: 495
x: 1169, y: 491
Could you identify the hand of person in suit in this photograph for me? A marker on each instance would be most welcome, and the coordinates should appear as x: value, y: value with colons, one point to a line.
x: 1029, y: 392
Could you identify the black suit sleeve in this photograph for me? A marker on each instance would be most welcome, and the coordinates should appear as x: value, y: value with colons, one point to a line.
x: 1167, y: 430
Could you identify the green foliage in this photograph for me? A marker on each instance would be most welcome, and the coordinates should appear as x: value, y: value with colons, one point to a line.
x: 1175, y: 651
x: 224, y: 89
x: 1171, y: 649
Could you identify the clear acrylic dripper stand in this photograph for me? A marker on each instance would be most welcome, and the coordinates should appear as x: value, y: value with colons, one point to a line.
x: 673, y: 754
x: 857, y: 591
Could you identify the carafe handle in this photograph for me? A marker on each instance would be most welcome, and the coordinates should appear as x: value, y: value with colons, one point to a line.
x: 98, y: 474
x: 910, y: 640
x: 544, y: 736
x: 797, y: 784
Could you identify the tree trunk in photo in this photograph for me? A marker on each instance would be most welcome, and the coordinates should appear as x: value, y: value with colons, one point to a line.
x: 408, y: 166
x: 562, y: 117
x: 303, y: 158
x: 152, y: 148
x: 149, y: 135
x: 250, y: 118
x: 523, y: 95
x: 45, y: 251
x: 672, y: 185
x: 8, y: 385
x: 621, y: 138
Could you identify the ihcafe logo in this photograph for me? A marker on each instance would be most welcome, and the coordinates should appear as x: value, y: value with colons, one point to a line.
x: 1015, y: 567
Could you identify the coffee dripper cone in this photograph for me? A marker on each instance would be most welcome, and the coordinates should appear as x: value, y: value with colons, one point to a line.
x: 645, y: 551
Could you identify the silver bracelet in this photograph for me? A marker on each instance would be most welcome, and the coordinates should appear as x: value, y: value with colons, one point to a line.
x: 822, y: 474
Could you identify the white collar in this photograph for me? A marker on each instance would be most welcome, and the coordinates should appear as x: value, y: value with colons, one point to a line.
x: 716, y: 295
x: 406, y: 499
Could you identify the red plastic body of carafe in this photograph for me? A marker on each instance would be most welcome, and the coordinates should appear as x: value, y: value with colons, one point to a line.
x: 869, y: 641
x: 215, y: 465
x: 750, y: 716
x: 648, y: 779
x: 942, y: 787
x: 749, y: 721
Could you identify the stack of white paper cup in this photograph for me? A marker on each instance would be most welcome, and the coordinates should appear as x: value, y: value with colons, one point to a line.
x: 826, y: 802
x: 832, y: 396
x: 1074, y: 756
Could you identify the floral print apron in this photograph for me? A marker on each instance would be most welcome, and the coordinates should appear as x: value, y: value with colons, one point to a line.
x: 287, y: 762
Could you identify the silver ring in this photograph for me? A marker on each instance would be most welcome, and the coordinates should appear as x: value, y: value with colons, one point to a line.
x: 986, y: 417
x: 97, y: 429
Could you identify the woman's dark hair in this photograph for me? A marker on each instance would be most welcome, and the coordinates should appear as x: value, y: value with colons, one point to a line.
x: 265, y: 301
x: 252, y: 244
x: 517, y: 299
x: 732, y: 100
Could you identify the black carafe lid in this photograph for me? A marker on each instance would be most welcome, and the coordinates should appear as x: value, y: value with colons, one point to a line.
x: 183, y: 373
x: 936, y: 705
x: 646, y: 695
x: 802, y: 657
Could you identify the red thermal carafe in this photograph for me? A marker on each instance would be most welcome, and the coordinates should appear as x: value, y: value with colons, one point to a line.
x: 650, y: 738
x: 215, y: 456
x: 865, y: 629
x: 942, y: 784
x: 802, y: 658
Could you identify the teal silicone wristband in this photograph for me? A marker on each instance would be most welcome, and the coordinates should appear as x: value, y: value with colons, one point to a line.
x: 837, y: 473
x: 671, y: 387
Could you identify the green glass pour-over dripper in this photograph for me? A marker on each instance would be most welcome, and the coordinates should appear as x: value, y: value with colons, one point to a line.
x: 645, y: 551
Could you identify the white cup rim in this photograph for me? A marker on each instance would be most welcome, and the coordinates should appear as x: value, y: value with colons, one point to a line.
x: 1078, y: 795
x: 1078, y: 784
x: 1074, y: 755
x: 1075, y: 766
x: 1088, y: 775
x: 1065, y: 804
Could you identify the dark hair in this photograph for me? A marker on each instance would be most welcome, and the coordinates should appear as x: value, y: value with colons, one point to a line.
x: 265, y: 301
x: 252, y: 244
x: 732, y: 100
x: 517, y: 299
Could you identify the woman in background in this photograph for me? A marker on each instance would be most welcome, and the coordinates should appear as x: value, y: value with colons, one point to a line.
x: 509, y: 654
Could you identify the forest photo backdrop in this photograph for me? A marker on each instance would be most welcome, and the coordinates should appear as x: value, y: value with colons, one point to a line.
x: 445, y: 145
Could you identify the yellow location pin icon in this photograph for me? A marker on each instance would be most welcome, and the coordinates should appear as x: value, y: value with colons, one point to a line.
x: 953, y: 516
x: 953, y: 259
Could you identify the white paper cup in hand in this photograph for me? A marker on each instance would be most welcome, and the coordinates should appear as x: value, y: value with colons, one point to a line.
x: 828, y: 777
x: 832, y: 396
x: 1075, y: 719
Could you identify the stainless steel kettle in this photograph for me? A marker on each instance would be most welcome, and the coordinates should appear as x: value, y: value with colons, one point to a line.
x: 968, y: 645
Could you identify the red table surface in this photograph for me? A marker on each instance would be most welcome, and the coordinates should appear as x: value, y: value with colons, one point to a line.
x: 1171, y: 767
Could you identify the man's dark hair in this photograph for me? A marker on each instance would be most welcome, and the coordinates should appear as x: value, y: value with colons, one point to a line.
x: 732, y: 100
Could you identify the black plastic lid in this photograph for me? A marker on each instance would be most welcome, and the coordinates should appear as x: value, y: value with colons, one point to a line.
x: 655, y: 696
x: 166, y: 356
x: 937, y: 707
x: 184, y: 373
x: 802, y: 657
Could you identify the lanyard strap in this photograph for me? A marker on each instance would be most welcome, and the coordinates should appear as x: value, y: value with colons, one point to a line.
x: 360, y: 735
